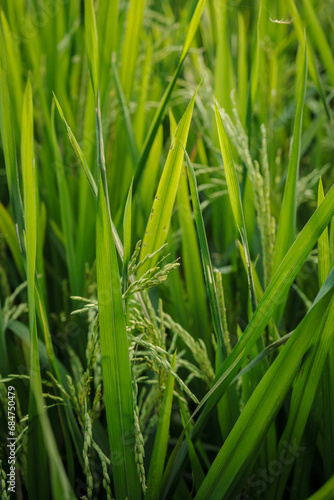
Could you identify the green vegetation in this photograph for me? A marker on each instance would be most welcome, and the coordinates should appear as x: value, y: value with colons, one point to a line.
x: 167, y: 249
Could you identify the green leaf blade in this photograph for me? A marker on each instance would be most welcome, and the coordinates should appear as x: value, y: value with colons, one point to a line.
x: 287, y: 221
x: 115, y: 358
x: 159, y: 220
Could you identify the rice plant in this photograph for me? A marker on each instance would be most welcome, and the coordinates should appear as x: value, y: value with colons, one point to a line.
x: 167, y: 250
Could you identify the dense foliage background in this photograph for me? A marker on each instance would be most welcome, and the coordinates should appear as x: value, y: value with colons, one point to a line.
x: 160, y: 243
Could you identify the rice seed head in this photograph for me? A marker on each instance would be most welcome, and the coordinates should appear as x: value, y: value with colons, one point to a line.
x: 88, y: 438
x: 105, y: 462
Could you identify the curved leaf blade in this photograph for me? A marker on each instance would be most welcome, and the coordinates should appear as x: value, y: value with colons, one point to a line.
x: 160, y: 217
x: 287, y: 221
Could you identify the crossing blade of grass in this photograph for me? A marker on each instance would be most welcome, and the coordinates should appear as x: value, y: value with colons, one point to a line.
x: 304, y: 391
x: 83, y: 207
x: 229, y: 406
x: 66, y: 212
x: 159, y: 220
x: 258, y: 291
x: 161, y: 440
x: 272, y: 297
x: 86, y: 169
x: 266, y: 352
x: 246, y: 436
x: 325, y: 492
x: 287, y: 221
x: 235, y: 199
x: 324, y: 265
x: 165, y: 99
x: 37, y: 463
x: 78, y: 150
